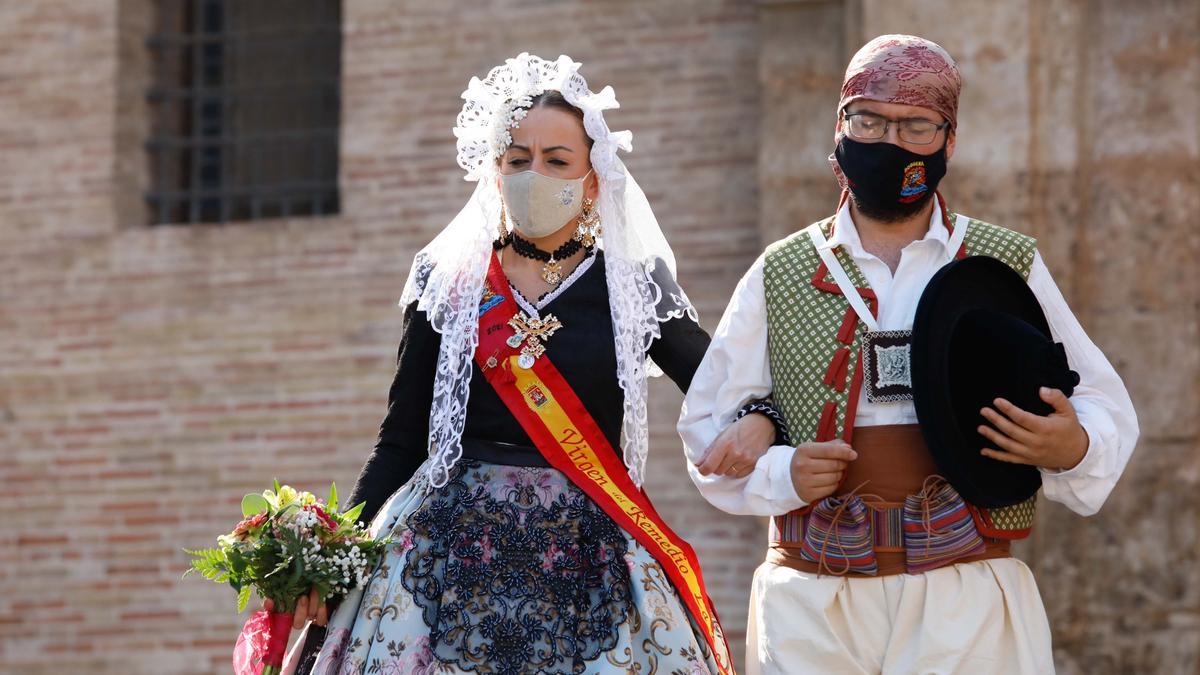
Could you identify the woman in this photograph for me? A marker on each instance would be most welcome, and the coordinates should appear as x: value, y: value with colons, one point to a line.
x: 529, y: 323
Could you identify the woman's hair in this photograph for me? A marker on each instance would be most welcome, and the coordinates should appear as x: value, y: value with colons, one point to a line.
x: 554, y: 99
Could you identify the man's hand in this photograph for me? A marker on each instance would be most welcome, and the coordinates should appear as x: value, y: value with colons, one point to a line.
x: 1056, y: 441
x: 817, y: 468
x: 736, y: 451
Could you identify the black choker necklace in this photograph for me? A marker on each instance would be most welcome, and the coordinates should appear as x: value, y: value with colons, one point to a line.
x: 552, y: 269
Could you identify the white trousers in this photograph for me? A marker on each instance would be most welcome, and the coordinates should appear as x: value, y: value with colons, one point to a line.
x: 977, y: 618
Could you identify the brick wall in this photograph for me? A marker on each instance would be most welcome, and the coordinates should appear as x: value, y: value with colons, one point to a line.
x: 151, y: 376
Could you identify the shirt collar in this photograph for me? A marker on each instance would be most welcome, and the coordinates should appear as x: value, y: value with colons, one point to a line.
x: 846, y: 234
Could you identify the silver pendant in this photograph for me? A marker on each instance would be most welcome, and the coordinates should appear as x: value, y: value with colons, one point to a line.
x: 887, y: 360
x: 515, y: 340
x: 525, y: 361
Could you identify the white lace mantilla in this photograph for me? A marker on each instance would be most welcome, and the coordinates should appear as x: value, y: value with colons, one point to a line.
x: 447, y: 275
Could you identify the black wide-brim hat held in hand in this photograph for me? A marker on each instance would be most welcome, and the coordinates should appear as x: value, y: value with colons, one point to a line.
x: 979, y: 334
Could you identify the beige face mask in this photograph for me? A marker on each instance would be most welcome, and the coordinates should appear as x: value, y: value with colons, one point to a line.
x: 540, y: 205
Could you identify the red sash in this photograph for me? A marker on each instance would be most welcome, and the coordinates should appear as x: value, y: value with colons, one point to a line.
x: 571, y: 441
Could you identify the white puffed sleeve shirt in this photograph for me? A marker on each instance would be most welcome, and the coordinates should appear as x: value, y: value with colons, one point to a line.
x: 736, y: 369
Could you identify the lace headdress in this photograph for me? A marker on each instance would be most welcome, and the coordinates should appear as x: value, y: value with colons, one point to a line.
x: 447, y: 275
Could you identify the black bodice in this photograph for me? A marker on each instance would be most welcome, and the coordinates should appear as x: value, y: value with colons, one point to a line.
x: 582, y: 350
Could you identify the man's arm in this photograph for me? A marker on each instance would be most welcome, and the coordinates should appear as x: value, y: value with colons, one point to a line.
x: 1083, y: 446
x: 735, y: 370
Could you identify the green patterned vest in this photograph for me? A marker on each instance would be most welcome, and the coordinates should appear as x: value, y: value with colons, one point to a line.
x: 814, y: 340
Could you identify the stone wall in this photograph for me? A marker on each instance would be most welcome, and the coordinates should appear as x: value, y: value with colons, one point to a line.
x: 1078, y: 124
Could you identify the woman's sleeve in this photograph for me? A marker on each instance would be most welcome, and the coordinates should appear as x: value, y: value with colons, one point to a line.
x: 679, y: 352
x: 680, y: 349
x: 682, y: 342
x: 403, y: 439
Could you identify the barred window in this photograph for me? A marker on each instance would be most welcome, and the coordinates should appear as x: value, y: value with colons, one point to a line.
x: 245, y: 106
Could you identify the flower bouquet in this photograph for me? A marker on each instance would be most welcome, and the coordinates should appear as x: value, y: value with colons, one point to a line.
x: 288, y: 543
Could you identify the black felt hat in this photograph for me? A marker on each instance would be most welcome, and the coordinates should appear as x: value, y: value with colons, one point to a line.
x: 980, y: 334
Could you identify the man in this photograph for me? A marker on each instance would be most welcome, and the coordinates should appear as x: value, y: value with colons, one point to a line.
x: 844, y: 589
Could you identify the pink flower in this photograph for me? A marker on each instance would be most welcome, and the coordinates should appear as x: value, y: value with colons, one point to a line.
x: 329, y: 523
x: 242, y: 529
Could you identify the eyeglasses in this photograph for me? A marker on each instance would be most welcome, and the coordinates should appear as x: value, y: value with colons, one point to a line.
x: 867, y: 126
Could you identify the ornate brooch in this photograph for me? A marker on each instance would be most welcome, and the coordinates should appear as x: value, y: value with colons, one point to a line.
x: 531, y: 335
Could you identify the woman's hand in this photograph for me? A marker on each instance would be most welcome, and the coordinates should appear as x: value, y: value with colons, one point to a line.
x: 736, y: 451
x: 309, y: 607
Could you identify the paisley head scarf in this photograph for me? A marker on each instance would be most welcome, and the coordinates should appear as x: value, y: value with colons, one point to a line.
x: 903, y: 69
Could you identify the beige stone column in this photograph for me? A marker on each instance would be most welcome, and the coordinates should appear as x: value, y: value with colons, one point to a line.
x: 804, y: 47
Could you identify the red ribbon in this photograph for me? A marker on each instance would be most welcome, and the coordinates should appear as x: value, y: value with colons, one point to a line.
x: 262, y: 644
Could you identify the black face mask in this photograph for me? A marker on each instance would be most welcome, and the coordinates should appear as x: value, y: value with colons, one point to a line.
x: 886, y: 181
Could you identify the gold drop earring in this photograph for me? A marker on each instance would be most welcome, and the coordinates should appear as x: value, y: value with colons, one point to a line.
x: 503, y: 228
x: 588, y: 229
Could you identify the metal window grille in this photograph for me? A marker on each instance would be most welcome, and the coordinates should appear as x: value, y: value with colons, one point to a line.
x: 245, y: 109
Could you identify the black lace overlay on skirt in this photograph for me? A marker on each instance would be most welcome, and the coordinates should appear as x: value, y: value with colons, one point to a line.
x: 518, y: 576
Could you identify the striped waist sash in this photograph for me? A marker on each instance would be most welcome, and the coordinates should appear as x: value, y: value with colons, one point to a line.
x: 862, y: 536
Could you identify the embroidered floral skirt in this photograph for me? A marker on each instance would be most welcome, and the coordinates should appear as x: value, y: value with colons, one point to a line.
x: 510, y: 570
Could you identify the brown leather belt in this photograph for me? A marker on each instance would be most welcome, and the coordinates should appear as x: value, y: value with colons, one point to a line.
x: 893, y: 463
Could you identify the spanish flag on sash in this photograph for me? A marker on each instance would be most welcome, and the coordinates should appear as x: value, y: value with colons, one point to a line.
x: 571, y: 441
